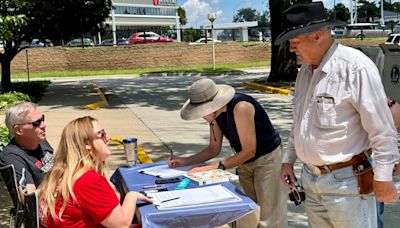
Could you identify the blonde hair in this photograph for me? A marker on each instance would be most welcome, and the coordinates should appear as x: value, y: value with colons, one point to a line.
x: 71, y: 160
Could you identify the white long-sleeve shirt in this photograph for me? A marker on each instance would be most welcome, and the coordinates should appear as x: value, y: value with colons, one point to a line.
x: 340, y: 110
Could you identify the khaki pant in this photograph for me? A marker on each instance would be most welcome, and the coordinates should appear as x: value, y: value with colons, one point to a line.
x: 260, y: 182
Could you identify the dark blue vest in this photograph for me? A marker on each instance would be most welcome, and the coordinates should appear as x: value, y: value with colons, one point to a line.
x: 267, y: 137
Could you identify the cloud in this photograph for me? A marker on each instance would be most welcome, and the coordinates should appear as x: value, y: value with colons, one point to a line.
x: 197, y: 11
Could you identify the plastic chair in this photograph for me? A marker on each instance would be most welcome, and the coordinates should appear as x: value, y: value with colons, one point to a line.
x: 10, y: 179
x: 31, y: 210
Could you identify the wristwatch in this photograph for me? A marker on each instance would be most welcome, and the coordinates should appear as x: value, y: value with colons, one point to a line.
x: 221, y: 166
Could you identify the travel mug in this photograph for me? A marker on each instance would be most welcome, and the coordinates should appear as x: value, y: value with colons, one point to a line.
x: 130, y: 148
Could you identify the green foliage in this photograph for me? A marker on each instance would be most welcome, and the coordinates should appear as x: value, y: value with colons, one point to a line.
x: 22, y: 91
x: 24, y: 20
x: 246, y: 14
x: 12, y: 98
x: 191, y: 34
x: 33, y: 89
x: 3, y: 137
x: 340, y: 12
x: 182, y: 16
x: 368, y: 9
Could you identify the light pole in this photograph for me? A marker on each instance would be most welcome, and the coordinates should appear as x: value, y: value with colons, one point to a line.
x: 334, y: 9
x: 211, y: 18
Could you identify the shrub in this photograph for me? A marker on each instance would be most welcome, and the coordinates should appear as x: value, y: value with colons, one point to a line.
x: 34, y: 89
x: 3, y: 137
x: 22, y: 91
x: 12, y: 98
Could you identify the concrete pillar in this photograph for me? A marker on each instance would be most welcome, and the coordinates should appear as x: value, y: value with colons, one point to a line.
x: 244, y: 34
x: 114, y: 28
x: 178, y: 28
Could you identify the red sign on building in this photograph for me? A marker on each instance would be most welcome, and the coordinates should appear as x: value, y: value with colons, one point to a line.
x: 155, y: 2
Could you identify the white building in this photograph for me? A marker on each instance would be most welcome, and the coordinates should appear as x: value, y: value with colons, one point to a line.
x: 130, y: 16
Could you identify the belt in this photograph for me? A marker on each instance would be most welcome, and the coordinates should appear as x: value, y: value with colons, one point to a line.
x: 356, y: 159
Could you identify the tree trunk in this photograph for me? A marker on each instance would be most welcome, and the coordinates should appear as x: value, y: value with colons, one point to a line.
x: 283, y: 63
x: 5, y: 59
x: 5, y: 73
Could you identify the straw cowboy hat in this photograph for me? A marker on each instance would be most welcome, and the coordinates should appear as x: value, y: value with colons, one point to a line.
x: 305, y: 18
x: 205, y: 97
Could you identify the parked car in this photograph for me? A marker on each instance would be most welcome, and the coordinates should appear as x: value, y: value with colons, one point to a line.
x: 393, y: 38
x: 203, y: 41
x: 78, y: 42
x: 359, y: 30
x: 266, y: 36
x: 36, y: 43
x: 148, y: 37
x: 339, y: 31
x: 110, y: 42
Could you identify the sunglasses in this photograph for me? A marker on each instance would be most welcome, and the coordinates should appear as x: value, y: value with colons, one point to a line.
x: 35, y: 123
x: 102, y: 135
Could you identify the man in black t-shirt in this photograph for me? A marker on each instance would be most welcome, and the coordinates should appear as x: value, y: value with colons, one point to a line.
x: 28, y: 149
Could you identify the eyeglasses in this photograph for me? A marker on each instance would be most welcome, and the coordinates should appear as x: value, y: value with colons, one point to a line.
x: 102, y: 135
x: 35, y: 123
x: 391, y: 103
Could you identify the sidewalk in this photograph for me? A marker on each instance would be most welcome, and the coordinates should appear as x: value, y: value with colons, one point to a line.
x: 64, y: 101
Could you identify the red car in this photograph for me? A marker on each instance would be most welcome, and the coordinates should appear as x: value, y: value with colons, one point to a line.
x: 151, y: 37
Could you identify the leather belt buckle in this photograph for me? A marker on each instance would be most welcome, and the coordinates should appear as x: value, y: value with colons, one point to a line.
x: 314, y: 169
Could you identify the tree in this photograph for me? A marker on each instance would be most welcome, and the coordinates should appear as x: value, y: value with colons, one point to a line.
x: 340, y: 12
x: 283, y: 63
x: 182, y: 16
x: 191, y: 34
x: 23, y: 20
x: 367, y: 10
x: 246, y: 14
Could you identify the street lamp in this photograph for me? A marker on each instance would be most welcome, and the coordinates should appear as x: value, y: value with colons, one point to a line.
x: 211, y: 18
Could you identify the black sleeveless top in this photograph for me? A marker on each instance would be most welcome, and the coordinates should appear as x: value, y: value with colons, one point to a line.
x: 267, y: 137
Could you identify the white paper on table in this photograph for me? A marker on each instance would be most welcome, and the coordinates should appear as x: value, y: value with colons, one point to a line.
x: 163, y: 171
x: 193, y: 197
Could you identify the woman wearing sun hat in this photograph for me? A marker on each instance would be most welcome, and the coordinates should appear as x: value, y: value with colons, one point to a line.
x: 242, y: 120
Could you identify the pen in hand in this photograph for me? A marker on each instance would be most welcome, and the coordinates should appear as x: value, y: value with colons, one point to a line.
x: 171, y: 163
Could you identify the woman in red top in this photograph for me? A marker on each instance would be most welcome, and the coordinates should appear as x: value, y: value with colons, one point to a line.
x: 75, y: 193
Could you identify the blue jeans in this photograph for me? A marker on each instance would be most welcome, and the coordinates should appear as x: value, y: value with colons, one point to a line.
x: 379, y: 209
x: 326, y: 205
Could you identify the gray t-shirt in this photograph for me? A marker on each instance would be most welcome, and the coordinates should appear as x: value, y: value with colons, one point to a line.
x: 35, y: 162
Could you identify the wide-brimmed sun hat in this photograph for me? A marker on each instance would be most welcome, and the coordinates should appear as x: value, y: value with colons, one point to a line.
x: 305, y: 18
x: 205, y: 97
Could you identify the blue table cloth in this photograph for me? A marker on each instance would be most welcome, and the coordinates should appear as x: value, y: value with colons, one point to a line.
x: 129, y: 179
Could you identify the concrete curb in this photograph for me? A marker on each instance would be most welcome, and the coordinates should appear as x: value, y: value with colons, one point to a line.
x: 268, y: 89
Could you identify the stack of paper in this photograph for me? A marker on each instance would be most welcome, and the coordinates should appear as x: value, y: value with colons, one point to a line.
x: 163, y: 171
x: 193, y: 197
x: 211, y: 177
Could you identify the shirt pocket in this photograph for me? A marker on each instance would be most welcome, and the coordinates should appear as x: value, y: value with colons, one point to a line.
x: 325, y: 111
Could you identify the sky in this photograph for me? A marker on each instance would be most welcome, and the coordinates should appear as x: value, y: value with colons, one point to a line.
x: 197, y: 10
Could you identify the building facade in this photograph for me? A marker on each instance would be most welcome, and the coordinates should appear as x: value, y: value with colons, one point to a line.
x: 130, y: 16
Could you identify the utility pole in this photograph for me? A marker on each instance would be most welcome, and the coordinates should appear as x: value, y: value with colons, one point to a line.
x: 353, y: 11
x: 382, y: 16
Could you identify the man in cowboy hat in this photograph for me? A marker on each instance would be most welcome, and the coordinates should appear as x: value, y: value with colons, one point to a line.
x: 242, y: 120
x: 340, y: 113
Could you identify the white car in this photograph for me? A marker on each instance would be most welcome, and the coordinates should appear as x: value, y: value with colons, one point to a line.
x: 393, y: 39
x: 203, y: 41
